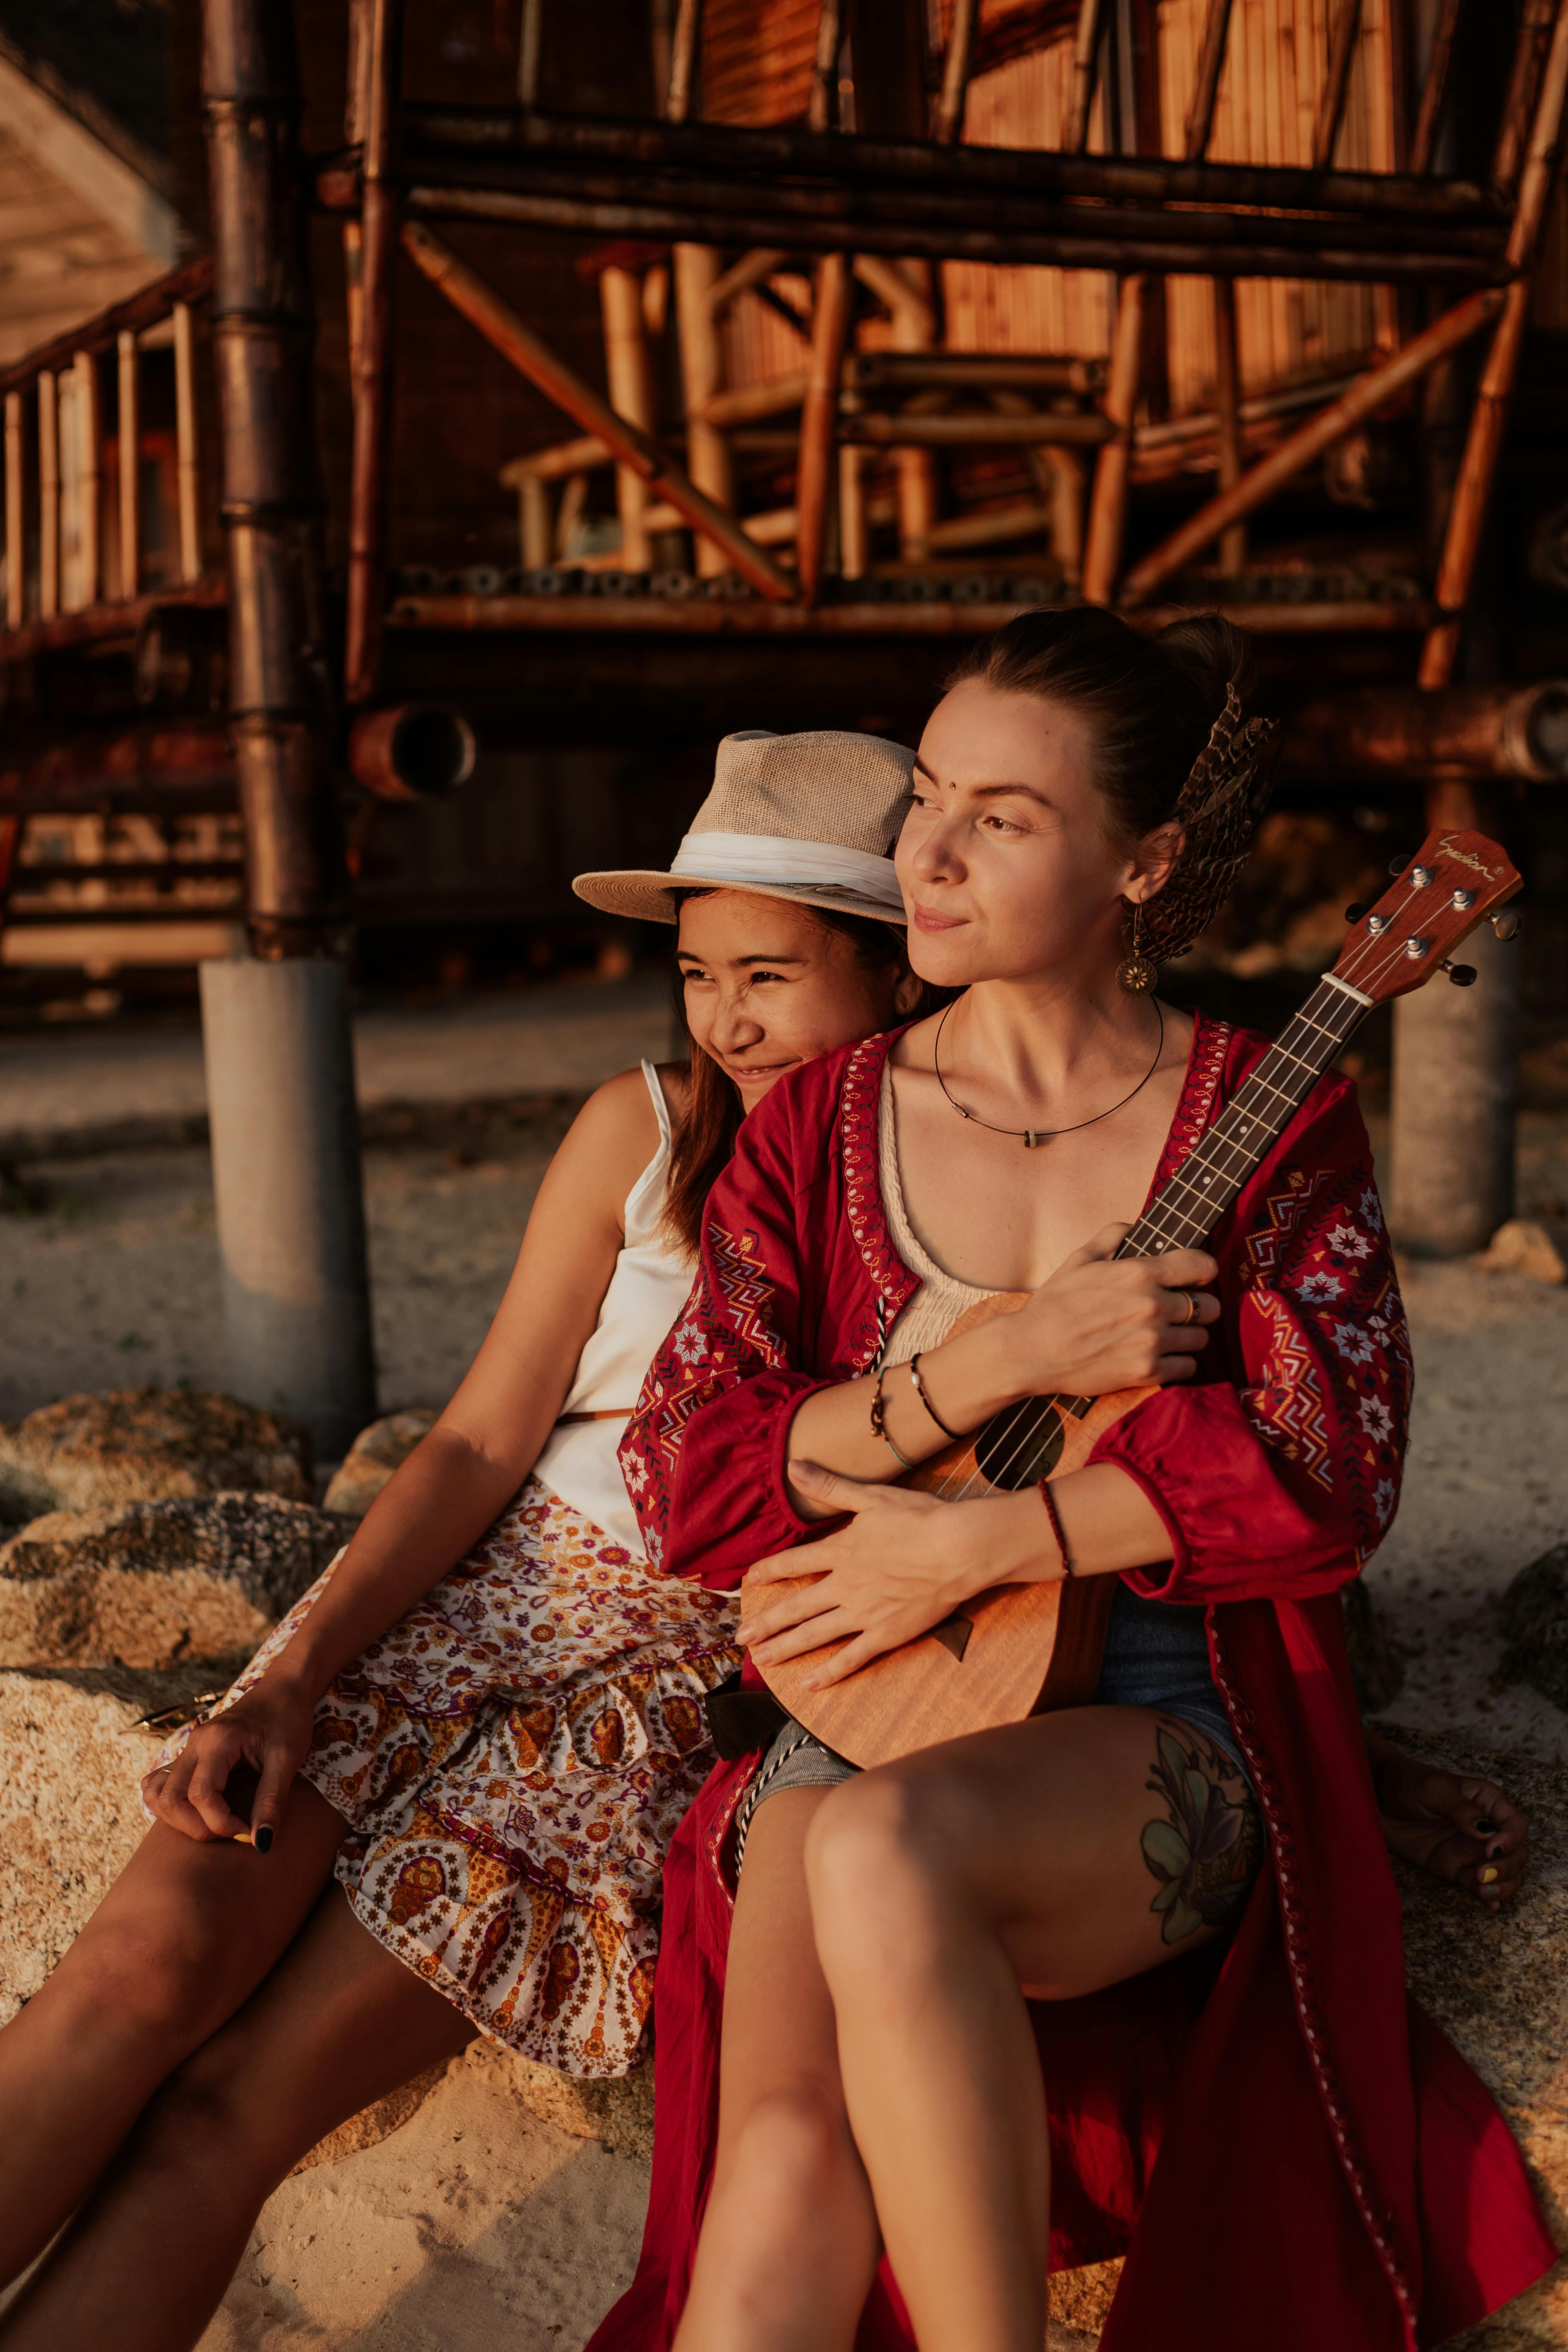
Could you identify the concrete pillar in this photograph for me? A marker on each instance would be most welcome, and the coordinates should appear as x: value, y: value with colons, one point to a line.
x: 291, y: 1215
x: 280, y: 1052
x: 1456, y: 1058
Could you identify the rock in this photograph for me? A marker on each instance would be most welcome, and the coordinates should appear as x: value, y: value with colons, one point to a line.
x: 375, y: 1454
x: 1377, y: 1668
x: 1080, y: 2305
x: 154, y: 1584
x: 88, y: 1453
x: 1497, y: 1987
x: 70, y: 1817
x: 1537, y: 1246
x: 1535, y: 1619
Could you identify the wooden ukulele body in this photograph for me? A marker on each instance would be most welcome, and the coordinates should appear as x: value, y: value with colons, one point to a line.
x: 1013, y: 1651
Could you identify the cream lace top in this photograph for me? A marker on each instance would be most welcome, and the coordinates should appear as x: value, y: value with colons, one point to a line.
x: 929, y: 1313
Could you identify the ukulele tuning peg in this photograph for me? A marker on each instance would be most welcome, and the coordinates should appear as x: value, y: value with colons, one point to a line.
x: 1355, y: 910
x: 1462, y: 974
x: 1509, y: 924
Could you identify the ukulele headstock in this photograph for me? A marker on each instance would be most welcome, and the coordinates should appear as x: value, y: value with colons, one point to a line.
x: 1452, y: 884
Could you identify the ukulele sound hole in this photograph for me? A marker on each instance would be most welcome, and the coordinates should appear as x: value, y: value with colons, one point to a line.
x: 1021, y: 1445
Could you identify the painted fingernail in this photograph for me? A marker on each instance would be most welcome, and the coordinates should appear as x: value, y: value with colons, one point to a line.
x: 1486, y: 1828
x: 262, y: 1840
x: 1488, y: 1878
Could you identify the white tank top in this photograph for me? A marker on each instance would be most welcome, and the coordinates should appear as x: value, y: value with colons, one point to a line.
x: 648, y: 1290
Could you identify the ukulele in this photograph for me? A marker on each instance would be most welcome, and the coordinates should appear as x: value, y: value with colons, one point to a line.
x: 1026, y: 1649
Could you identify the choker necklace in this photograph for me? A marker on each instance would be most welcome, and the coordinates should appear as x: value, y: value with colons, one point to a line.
x: 1036, y: 1135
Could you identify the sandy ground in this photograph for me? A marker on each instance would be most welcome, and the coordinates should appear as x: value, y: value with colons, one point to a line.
x: 476, y: 2225
x: 82, y: 1086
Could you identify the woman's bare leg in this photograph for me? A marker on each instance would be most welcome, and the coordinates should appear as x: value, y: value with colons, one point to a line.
x: 338, y: 2023
x: 789, y: 2245
x: 938, y: 1887
x: 182, y: 1938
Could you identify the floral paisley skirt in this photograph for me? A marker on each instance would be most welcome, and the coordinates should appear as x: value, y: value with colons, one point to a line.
x: 512, y: 1758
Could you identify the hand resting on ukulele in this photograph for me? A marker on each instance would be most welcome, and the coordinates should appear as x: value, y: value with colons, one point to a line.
x: 906, y: 1560
x: 1100, y: 1324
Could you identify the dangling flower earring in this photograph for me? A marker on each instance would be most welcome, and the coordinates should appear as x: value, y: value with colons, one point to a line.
x: 1135, y: 973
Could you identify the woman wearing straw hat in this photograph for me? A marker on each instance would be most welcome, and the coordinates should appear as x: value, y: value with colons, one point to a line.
x: 485, y: 1720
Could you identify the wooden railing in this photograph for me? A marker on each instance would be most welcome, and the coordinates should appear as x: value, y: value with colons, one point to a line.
x: 103, y: 482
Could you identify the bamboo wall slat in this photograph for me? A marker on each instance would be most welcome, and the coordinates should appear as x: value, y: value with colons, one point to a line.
x: 756, y: 60
x: 990, y: 308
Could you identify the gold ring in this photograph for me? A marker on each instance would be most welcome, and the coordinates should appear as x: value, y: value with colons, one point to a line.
x: 1191, y: 1314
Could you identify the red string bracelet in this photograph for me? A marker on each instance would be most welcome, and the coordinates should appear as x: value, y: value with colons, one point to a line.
x: 1054, y: 1517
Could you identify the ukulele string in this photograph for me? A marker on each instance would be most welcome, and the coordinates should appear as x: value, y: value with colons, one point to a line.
x: 1369, y: 965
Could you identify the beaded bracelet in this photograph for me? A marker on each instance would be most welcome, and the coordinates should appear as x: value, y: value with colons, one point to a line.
x: 880, y: 1425
x: 956, y: 1436
x: 1054, y: 1517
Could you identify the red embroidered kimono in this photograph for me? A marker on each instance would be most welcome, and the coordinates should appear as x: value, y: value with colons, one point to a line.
x: 1288, y: 2153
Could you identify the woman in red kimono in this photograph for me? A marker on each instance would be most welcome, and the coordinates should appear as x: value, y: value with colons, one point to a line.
x: 1174, y: 1907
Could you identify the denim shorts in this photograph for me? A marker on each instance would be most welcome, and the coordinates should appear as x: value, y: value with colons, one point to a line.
x: 1156, y: 1655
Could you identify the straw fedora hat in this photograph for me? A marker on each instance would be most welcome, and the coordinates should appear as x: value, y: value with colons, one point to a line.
x: 809, y: 817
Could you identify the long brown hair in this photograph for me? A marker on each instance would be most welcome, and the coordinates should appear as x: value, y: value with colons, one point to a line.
x: 706, y: 1131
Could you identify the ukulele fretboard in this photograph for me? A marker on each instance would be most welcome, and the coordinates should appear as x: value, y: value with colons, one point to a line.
x: 1184, y: 1211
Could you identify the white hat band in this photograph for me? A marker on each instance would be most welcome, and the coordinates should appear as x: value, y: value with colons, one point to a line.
x: 773, y: 859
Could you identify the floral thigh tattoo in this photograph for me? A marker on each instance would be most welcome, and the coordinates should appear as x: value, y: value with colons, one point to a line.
x: 1206, y: 1854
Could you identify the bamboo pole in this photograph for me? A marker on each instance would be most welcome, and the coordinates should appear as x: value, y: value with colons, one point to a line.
x: 749, y: 269
x: 185, y: 456
x: 382, y: 33
x: 683, y: 61
x: 854, y: 534
x: 1108, y: 501
x: 631, y: 395
x: 915, y: 324
x: 1478, y: 468
x: 1222, y: 292
x: 1205, y: 85
x: 1529, y: 53
x: 88, y: 422
x: 535, y: 523
x: 947, y: 119
x: 485, y: 139
x: 48, y: 497
x: 697, y: 274
x: 1434, y: 87
x: 353, y: 294
x: 1034, y: 429
x: 1330, y: 112
x: 1227, y: 419
x: 533, y: 358
x: 837, y: 219
x: 819, y: 419
x: 970, y: 371
x: 15, y: 539
x: 529, y: 43
x: 1085, y: 53
x: 822, y: 106
x: 130, y: 463
x: 1370, y: 393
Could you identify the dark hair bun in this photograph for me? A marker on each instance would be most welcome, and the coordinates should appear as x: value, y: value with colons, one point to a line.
x: 1215, y: 655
